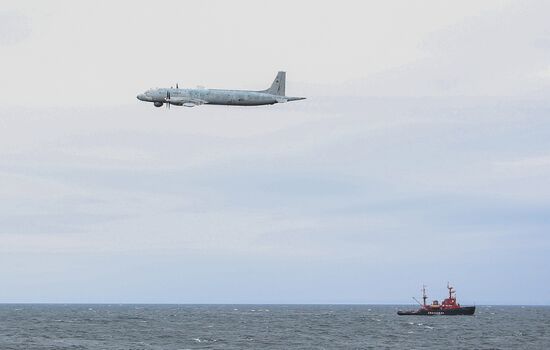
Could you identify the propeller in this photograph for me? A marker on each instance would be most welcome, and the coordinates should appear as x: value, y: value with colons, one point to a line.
x: 177, y: 87
x: 167, y: 99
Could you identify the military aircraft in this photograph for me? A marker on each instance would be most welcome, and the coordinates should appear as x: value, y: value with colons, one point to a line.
x: 200, y: 96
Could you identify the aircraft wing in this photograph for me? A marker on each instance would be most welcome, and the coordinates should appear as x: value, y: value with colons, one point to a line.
x: 185, y: 101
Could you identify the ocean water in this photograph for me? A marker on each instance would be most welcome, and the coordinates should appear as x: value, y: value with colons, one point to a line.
x: 267, y: 327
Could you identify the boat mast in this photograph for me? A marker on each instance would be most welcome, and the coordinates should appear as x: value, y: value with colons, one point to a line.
x: 424, y: 296
x: 451, y: 291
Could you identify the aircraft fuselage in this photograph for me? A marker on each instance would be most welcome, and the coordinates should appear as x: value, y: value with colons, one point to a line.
x: 210, y: 96
x: 200, y: 96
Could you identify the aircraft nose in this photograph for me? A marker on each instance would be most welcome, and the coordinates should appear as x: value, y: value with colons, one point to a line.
x: 141, y: 97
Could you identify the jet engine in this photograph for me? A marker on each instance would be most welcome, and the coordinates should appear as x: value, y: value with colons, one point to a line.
x: 158, y: 104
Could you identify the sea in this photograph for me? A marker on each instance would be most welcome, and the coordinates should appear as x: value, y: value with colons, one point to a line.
x: 167, y: 327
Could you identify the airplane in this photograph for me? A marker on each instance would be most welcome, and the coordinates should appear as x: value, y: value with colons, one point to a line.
x: 201, y: 96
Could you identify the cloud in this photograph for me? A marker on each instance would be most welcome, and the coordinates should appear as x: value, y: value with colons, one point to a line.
x: 319, y: 200
x: 496, y: 53
x: 14, y: 28
x: 529, y: 163
x: 334, y: 45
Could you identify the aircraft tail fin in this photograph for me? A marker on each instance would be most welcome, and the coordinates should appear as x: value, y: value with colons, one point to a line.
x: 278, y: 85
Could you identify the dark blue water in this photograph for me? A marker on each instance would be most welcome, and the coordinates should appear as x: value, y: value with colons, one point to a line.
x: 267, y: 327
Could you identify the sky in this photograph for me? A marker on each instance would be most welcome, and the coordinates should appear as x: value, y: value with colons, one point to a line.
x: 421, y: 155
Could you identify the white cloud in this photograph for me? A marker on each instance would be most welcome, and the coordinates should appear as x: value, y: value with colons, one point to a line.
x: 527, y: 166
x: 103, y: 53
x: 338, y: 183
x: 14, y: 28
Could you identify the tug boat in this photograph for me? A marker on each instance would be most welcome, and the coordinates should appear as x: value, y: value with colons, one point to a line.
x: 448, y: 307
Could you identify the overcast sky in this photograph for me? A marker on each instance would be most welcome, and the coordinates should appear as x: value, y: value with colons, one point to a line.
x: 421, y: 156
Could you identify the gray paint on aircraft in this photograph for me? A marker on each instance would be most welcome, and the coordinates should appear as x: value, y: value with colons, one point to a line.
x: 199, y: 96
